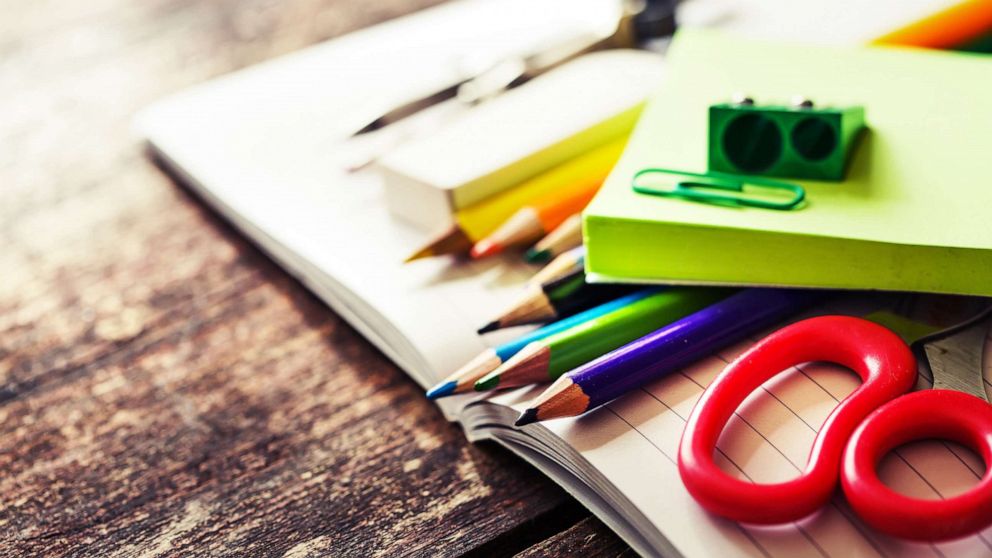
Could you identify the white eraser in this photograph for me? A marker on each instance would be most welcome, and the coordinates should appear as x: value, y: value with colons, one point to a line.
x: 523, y: 132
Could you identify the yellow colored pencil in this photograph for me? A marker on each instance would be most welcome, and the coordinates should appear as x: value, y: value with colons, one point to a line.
x: 476, y: 221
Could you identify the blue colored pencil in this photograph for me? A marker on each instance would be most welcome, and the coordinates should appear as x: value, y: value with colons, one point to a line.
x: 665, y: 351
x: 464, y: 379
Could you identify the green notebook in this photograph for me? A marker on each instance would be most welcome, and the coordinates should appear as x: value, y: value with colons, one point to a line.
x: 914, y: 213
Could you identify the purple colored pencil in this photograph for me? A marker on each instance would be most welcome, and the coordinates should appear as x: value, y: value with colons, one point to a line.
x: 666, y: 350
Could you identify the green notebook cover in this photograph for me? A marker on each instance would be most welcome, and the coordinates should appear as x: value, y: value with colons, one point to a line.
x: 914, y: 213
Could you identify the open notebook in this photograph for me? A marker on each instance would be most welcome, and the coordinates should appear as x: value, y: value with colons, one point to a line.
x: 265, y: 148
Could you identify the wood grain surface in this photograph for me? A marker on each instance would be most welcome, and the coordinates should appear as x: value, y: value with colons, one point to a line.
x: 165, y: 390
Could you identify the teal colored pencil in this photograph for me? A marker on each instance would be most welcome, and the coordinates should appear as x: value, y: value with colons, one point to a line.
x: 464, y: 379
x: 546, y: 359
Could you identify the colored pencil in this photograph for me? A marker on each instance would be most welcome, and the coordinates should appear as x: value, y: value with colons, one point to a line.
x: 568, y: 235
x: 558, y: 299
x: 536, y: 220
x: 451, y: 241
x: 464, y: 378
x: 951, y: 28
x: 565, y: 264
x: 548, y: 358
x: 666, y: 350
x: 475, y: 222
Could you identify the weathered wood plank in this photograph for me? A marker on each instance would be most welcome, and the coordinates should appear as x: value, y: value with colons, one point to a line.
x: 588, y: 537
x: 165, y: 389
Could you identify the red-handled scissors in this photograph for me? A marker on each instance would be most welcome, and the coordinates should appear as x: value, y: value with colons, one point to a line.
x: 864, y: 427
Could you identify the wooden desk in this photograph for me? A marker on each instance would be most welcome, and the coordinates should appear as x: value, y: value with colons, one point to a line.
x: 164, y: 388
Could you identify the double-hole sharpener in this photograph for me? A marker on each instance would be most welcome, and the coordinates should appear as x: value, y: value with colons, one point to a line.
x: 796, y: 141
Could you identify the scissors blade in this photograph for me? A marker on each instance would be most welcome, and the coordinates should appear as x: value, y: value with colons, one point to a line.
x: 494, y: 80
x: 409, y: 108
x: 955, y: 357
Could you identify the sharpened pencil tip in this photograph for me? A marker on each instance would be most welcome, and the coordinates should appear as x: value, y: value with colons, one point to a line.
x: 529, y: 416
x: 442, y: 390
x: 418, y: 256
x: 484, y: 249
x: 452, y: 241
x: 491, y: 326
x: 488, y: 383
x: 537, y: 256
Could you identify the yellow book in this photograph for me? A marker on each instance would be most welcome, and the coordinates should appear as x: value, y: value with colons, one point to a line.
x: 476, y: 221
x: 482, y: 218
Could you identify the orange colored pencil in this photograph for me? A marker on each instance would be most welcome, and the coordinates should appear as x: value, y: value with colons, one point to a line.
x: 946, y: 29
x: 539, y: 218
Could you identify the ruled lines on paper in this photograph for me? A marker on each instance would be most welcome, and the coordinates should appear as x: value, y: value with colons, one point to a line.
x: 768, y: 441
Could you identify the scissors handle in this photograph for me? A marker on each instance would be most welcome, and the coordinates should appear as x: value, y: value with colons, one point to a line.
x: 880, y: 357
x: 936, y: 413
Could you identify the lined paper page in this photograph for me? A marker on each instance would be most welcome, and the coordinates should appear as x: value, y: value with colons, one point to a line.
x: 634, y: 441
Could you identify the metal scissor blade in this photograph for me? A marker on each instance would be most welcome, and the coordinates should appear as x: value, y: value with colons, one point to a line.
x: 410, y: 108
x: 955, y: 356
x: 517, y: 69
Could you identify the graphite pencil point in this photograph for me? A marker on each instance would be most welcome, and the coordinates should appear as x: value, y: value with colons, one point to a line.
x: 491, y: 326
x: 527, y: 417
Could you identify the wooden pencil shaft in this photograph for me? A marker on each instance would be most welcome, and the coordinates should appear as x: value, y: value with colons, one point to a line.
x: 568, y: 235
x: 562, y: 399
x: 561, y: 299
x: 687, y: 340
x: 529, y: 366
x: 481, y: 219
x: 522, y: 227
x: 452, y: 240
x: 571, y: 294
x: 531, y: 222
x: 579, y: 345
x: 509, y: 349
x: 534, y: 307
x: 565, y: 264
x: 484, y: 363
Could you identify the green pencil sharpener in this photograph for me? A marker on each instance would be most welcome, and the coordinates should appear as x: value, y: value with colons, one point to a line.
x: 797, y: 141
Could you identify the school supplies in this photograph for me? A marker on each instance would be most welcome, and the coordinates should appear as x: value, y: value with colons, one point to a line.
x: 532, y: 222
x: 867, y: 425
x: 888, y: 225
x: 566, y: 112
x: 546, y: 359
x: 557, y: 299
x: 518, y: 69
x: 961, y: 26
x: 719, y: 189
x: 568, y: 235
x: 473, y: 223
x: 664, y: 351
x: 565, y: 264
x: 265, y: 149
x: 797, y: 141
x: 463, y: 379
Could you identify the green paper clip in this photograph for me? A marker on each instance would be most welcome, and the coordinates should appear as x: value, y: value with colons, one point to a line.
x: 697, y: 189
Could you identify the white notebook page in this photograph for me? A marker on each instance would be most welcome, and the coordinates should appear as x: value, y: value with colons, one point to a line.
x: 634, y: 442
x: 261, y: 145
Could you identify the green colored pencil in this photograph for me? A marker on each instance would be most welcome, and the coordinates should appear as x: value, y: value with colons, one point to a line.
x: 548, y: 358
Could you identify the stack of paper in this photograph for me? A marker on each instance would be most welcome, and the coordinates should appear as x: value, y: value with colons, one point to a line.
x: 911, y: 215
